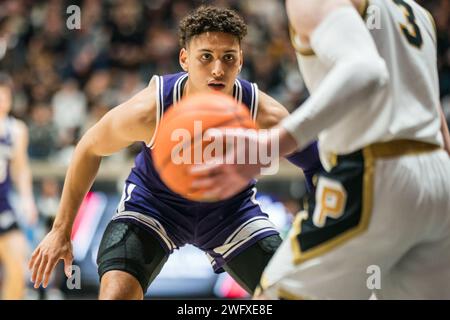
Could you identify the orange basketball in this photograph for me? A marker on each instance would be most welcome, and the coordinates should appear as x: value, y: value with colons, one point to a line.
x: 180, y: 143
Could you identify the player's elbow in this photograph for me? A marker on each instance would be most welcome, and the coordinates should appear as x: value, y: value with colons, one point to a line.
x: 372, y: 74
x: 89, y: 146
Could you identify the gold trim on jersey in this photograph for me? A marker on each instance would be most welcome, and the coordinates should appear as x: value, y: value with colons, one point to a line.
x: 364, y: 6
x: 308, y: 51
x: 302, y: 50
x: 402, y: 147
x: 286, y: 295
x: 258, y: 292
x: 371, y: 153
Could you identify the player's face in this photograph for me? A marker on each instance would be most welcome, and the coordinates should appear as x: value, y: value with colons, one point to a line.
x: 5, y: 100
x: 213, y: 61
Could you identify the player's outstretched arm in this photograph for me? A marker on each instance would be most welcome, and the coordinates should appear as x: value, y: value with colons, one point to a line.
x: 129, y: 122
x: 337, y: 34
x: 340, y: 39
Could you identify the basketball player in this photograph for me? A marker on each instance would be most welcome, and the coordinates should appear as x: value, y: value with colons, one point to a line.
x: 152, y: 221
x: 14, y: 168
x: 382, y: 208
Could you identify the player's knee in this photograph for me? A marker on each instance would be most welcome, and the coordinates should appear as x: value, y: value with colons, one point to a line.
x: 120, y: 285
x: 270, y: 244
x: 128, y: 252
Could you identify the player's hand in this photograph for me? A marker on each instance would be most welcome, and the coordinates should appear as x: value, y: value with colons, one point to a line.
x: 222, y: 180
x: 55, y: 246
x: 226, y: 178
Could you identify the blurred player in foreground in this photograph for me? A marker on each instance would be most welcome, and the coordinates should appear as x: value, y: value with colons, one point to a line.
x: 151, y: 220
x: 383, y: 205
x: 14, y: 170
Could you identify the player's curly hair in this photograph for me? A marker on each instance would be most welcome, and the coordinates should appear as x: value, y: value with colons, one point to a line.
x: 211, y: 19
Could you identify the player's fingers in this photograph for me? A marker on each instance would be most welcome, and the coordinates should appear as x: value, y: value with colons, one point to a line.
x: 33, y: 258
x: 68, y: 259
x: 48, y: 271
x: 215, y: 133
x: 35, y: 267
x: 205, y: 169
x: 40, y: 271
x: 203, y: 183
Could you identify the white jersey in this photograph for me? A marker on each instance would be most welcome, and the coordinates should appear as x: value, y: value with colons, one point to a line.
x: 405, y: 36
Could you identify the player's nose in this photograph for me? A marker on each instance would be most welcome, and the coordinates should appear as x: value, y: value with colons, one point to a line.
x: 217, y: 70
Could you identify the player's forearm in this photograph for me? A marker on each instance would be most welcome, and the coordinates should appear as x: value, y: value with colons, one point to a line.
x: 333, y: 99
x: 357, y: 73
x: 79, y: 179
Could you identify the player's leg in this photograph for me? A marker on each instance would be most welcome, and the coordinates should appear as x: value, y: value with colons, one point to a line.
x: 13, y: 255
x: 333, y: 244
x: 424, y: 271
x: 129, y: 259
x: 239, y: 238
x: 247, y: 267
x: 340, y: 273
x: 120, y: 285
x: 327, y: 259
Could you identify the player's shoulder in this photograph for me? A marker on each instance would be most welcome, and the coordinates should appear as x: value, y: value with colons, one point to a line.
x: 245, y: 82
x: 245, y: 88
x: 169, y: 81
x: 173, y: 76
x: 169, y: 87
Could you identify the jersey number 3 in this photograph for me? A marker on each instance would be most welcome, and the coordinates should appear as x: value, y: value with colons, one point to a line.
x: 411, y: 31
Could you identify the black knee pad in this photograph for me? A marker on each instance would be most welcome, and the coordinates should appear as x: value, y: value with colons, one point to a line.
x: 270, y: 244
x: 247, y: 267
x: 129, y: 248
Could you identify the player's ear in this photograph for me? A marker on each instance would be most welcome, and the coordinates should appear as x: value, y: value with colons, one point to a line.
x: 241, y: 60
x: 184, y: 59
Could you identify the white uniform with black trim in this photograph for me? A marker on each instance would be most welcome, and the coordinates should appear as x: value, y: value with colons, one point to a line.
x: 400, y: 246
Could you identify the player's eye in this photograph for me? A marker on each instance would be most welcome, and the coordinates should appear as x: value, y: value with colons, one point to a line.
x: 228, y: 57
x: 206, y: 56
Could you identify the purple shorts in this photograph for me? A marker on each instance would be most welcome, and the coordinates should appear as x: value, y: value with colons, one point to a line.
x: 222, y: 230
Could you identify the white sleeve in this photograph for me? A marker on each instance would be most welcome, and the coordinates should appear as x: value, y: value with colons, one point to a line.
x: 357, y: 71
x: 159, y: 106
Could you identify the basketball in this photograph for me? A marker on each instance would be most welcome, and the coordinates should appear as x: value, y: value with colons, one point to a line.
x: 179, y: 140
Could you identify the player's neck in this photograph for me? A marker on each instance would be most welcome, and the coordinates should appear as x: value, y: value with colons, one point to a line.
x: 187, y: 89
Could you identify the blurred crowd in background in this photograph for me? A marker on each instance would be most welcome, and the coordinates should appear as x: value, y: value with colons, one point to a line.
x: 65, y: 80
